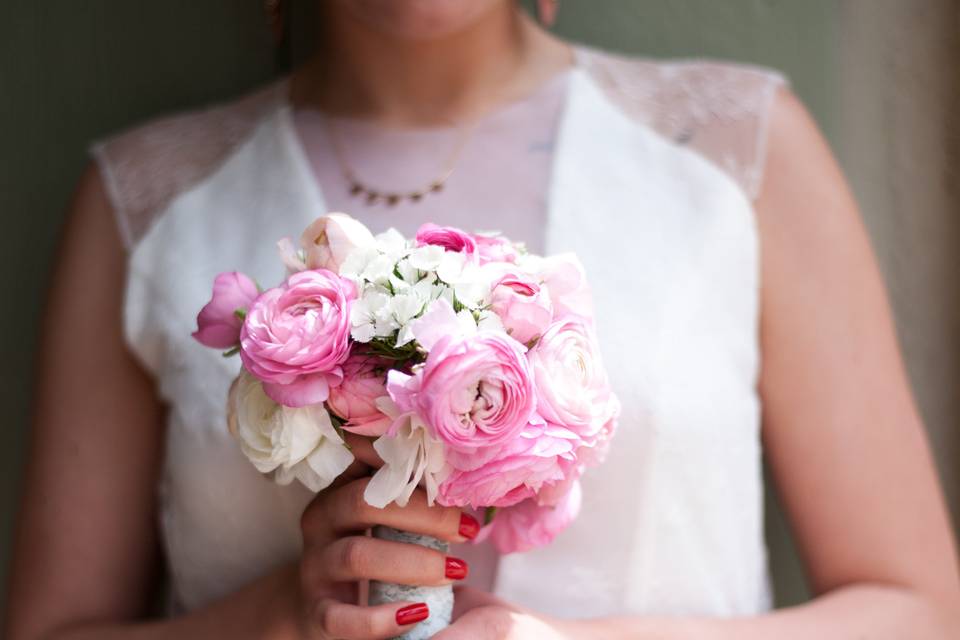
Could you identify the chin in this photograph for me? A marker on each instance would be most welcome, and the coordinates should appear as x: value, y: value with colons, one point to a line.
x: 419, y: 19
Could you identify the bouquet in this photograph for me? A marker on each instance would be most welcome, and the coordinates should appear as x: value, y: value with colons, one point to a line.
x: 472, y: 363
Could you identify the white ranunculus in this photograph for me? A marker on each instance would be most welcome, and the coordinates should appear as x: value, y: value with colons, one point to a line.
x: 292, y: 442
x: 330, y: 239
x: 410, y: 456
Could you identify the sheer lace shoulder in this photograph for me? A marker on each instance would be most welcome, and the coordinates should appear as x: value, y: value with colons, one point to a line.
x: 145, y: 167
x: 718, y: 108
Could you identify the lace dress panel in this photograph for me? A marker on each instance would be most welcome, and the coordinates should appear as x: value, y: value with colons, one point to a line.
x: 145, y: 167
x: 719, y: 109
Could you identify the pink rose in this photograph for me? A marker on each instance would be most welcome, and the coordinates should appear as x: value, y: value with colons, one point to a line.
x: 326, y: 243
x: 450, y: 238
x: 495, y: 248
x: 529, y: 525
x: 523, y: 306
x: 296, y: 336
x: 354, y: 400
x: 517, y: 470
x: 572, y: 386
x: 473, y: 391
x: 218, y: 323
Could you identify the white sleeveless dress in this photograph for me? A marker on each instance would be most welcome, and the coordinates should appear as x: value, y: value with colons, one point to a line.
x: 651, y: 177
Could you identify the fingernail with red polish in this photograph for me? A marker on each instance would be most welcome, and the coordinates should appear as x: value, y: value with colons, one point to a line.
x: 469, y: 527
x: 412, y: 613
x: 455, y: 569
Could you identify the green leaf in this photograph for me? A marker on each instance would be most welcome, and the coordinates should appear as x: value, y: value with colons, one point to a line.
x: 231, y: 352
x: 240, y: 313
x: 488, y: 515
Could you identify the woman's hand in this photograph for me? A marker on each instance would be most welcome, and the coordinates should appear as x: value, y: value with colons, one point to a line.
x: 481, y: 616
x: 337, y: 556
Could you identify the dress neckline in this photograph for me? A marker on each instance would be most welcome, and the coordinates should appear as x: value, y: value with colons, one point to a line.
x: 299, y: 160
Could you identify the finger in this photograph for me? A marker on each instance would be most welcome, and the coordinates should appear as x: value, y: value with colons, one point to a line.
x: 362, y: 449
x: 333, y: 619
x: 362, y: 558
x: 357, y: 469
x: 345, y: 510
x: 466, y: 598
x: 485, y: 623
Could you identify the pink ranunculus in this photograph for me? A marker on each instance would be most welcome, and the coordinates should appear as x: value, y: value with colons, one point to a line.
x: 572, y: 386
x: 594, y: 450
x: 473, y: 391
x: 529, y: 525
x: 355, y: 399
x: 450, y: 238
x: 523, y: 306
x: 518, y: 470
x: 495, y: 248
x: 564, y: 278
x: 296, y: 337
x: 218, y: 323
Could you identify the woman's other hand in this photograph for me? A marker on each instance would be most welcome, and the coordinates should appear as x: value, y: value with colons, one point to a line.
x: 481, y: 616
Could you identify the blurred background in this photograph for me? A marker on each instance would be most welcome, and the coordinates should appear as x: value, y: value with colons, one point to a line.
x: 880, y: 77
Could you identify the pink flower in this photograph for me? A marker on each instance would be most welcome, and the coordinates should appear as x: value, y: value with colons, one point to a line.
x: 529, y: 525
x: 355, y: 399
x: 572, y: 386
x: 296, y: 336
x: 326, y: 243
x: 495, y: 248
x: 473, y: 391
x: 563, y: 276
x: 450, y: 238
x: 218, y: 323
x: 523, y: 307
x: 594, y: 450
x: 516, y: 471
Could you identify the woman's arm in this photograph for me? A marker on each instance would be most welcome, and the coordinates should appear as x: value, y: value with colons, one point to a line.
x: 86, y: 541
x: 85, y: 550
x: 841, y: 430
x: 85, y: 545
x: 845, y: 442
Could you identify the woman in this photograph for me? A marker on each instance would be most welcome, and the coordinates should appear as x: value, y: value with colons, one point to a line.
x: 666, y: 179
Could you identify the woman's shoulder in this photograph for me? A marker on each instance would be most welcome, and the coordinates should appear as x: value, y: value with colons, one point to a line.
x: 719, y: 108
x: 145, y: 166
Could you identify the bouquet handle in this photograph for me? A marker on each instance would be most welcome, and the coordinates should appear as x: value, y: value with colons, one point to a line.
x: 438, y: 599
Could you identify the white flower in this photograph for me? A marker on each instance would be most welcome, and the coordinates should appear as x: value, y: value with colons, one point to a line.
x: 296, y: 443
x: 404, y: 308
x: 426, y: 258
x: 391, y: 242
x: 365, y: 313
x: 450, y: 266
x: 356, y: 262
x: 410, y: 456
x: 490, y: 321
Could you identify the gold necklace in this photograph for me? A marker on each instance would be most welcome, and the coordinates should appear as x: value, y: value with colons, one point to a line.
x: 373, y: 195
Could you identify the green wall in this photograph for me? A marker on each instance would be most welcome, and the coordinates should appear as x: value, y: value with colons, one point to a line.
x: 72, y: 71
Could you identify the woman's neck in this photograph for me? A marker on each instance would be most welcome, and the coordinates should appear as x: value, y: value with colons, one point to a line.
x: 398, y: 81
